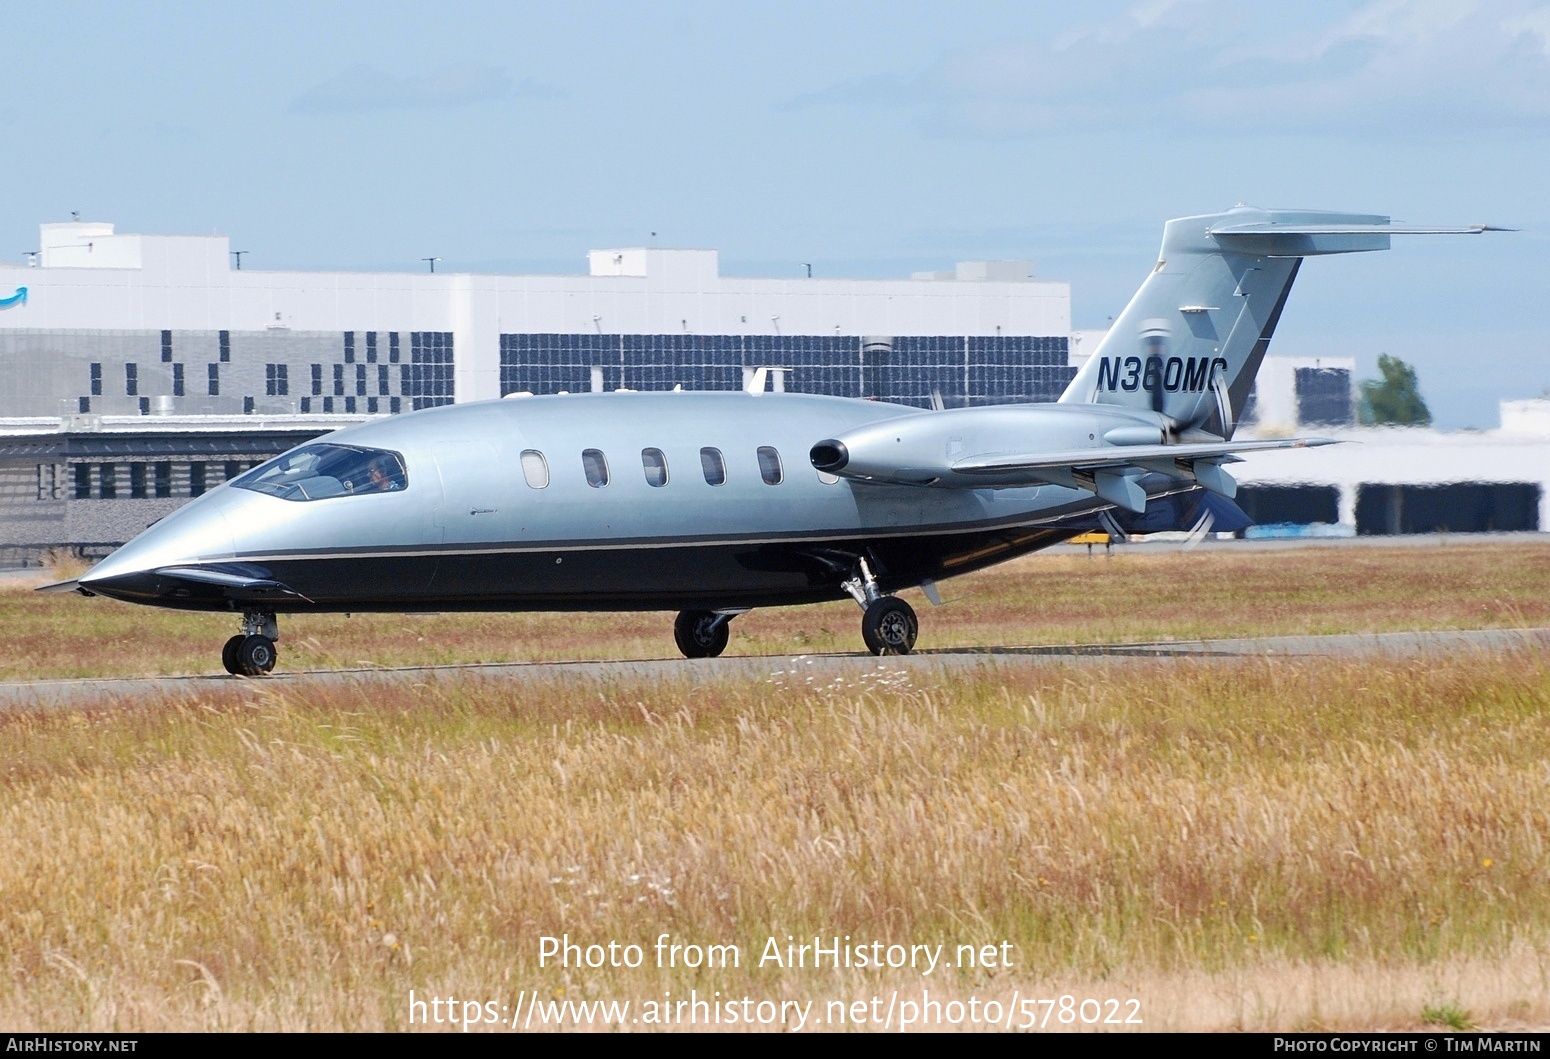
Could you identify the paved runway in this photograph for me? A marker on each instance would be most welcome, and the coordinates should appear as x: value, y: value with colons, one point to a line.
x: 801, y: 668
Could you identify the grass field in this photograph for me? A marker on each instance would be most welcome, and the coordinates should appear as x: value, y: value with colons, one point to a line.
x: 1042, y: 599
x: 1261, y: 844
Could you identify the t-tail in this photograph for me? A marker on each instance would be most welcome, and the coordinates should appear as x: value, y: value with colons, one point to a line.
x: 1191, y: 340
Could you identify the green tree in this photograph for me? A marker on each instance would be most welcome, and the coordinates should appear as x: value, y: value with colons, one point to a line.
x: 1394, y: 399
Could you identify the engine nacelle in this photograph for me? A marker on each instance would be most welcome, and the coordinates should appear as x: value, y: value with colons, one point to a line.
x: 922, y: 449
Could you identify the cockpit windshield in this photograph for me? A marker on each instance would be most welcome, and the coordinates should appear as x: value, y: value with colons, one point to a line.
x: 323, y: 470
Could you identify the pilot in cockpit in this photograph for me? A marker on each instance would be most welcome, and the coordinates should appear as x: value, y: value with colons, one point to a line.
x: 380, y: 478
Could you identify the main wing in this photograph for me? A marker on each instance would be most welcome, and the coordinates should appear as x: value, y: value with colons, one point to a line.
x: 1104, y: 470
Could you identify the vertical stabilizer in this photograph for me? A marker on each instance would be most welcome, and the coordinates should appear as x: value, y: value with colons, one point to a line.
x: 1191, y: 340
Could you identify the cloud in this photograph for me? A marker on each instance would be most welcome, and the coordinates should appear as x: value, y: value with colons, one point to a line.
x: 1534, y: 23
x: 1212, y: 66
x: 363, y: 88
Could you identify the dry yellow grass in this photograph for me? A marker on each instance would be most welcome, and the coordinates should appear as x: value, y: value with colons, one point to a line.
x: 1042, y: 599
x: 1267, y: 845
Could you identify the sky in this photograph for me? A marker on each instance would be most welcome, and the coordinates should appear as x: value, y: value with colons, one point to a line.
x: 867, y: 139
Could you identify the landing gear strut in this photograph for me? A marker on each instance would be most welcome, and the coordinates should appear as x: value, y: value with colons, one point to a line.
x: 702, y: 633
x: 888, y: 624
x: 251, y: 653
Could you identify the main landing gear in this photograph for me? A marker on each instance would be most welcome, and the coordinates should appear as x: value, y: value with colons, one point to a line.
x: 251, y: 653
x: 888, y: 624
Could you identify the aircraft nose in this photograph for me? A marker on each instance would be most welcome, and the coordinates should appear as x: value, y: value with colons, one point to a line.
x: 197, y: 532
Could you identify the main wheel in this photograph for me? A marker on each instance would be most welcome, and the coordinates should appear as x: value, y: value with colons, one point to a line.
x: 701, y: 633
x: 255, y: 656
x: 229, y: 653
x: 889, y: 626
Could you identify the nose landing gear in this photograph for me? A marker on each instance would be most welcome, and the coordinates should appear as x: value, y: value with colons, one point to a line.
x: 702, y: 633
x: 252, y: 652
x: 888, y: 624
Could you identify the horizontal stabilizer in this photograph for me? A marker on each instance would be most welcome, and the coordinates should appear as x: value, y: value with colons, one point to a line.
x: 72, y: 585
x: 1269, y: 239
x: 1355, y: 229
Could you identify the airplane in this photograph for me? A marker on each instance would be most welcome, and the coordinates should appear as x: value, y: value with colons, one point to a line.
x: 714, y: 503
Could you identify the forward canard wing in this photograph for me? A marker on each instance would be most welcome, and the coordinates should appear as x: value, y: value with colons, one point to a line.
x: 238, y: 579
x: 237, y: 583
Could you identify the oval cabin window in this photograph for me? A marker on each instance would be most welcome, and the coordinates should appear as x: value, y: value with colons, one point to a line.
x: 714, y: 466
x: 596, y: 466
x: 655, y: 465
x: 769, y: 465
x: 535, y: 468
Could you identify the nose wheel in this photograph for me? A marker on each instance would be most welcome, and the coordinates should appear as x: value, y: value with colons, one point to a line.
x: 701, y: 633
x: 252, y: 652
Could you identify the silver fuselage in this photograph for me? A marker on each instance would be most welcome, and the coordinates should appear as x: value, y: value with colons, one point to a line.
x: 468, y: 532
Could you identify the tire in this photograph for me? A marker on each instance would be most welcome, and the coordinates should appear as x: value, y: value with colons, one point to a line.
x: 701, y: 633
x: 229, y: 653
x: 256, y: 656
x: 889, y: 627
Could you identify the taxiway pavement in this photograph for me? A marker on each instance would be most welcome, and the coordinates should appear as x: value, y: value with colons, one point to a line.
x: 795, y: 670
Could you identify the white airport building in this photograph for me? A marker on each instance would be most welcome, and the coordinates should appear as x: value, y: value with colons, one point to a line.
x: 137, y: 371
x: 1392, y: 480
x: 149, y: 324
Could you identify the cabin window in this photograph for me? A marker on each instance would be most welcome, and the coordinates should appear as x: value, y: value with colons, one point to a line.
x: 828, y: 479
x: 769, y: 465
x: 714, y: 466
x: 596, y: 466
x: 320, y: 471
x: 655, y: 465
x: 535, y: 468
